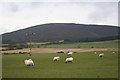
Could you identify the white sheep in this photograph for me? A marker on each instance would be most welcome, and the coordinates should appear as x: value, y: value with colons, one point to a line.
x: 101, y: 55
x: 69, y: 60
x: 29, y: 62
x: 56, y: 58
x: 113, y: 52
x: 69, y: 53
x: 95, y: 52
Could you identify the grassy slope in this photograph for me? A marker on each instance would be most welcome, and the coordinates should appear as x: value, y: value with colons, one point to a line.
x: 100, y: 44
x: 85, y: 65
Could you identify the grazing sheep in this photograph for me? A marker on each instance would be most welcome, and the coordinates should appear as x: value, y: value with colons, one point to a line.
x: 113, y: 52
x: 101, y: 55
x: 60, y: 52
x: 69, y: 53
x: 29, y: 62
x: 69, y: 60
x: 56, y: 58
x: 95, y: 52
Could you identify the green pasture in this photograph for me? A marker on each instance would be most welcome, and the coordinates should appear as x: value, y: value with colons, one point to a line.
x: 37, y: 43
x: 85, y: 65
x: 99, y: 44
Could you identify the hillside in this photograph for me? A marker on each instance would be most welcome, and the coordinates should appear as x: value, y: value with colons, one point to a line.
x: 62, y: 31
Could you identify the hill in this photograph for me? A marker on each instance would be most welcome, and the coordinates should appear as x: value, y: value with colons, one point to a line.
x: 63, y: 31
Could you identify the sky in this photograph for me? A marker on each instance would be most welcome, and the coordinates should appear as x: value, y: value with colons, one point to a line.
x: 20, y: 14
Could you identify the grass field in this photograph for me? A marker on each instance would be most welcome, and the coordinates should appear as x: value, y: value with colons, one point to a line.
x: 85, y: 65
x: 99, y: 44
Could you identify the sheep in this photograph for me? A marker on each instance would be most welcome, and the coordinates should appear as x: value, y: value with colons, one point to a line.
x: 29, y: 62
x: 56, y: 58
x: 101, y: 55
x: 60, y: 52
x: 69, y: 60
x: 69, y: 53
x: 95, y: 52
x: 113, y: 52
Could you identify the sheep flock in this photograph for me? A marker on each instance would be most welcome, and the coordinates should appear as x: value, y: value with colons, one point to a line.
x: 68, y: 58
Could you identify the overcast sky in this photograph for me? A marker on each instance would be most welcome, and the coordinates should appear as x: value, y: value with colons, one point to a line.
x: 19, y: 14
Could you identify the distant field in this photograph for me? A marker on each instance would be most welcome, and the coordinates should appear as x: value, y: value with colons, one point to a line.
x: 85, y: 65
x: 99, y: 44
x: 37, y: 43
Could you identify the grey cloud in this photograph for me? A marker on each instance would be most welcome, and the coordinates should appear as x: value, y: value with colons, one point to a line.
x: 103, y: 11
x: 13, y: 7
x: 9, y: 8
x: 36, y: 4
x: 119, y: 13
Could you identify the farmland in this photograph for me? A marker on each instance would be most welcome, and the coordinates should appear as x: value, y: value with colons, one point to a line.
x: 85, y: 65
x: 98, y: 44
x: 61, y: 44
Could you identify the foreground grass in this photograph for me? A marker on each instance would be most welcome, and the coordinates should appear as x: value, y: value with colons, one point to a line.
x: 85, y: 65
x: 99, y: 44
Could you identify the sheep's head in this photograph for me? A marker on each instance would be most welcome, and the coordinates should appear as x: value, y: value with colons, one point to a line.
x: 55, y: 60
x: 101, y: 56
